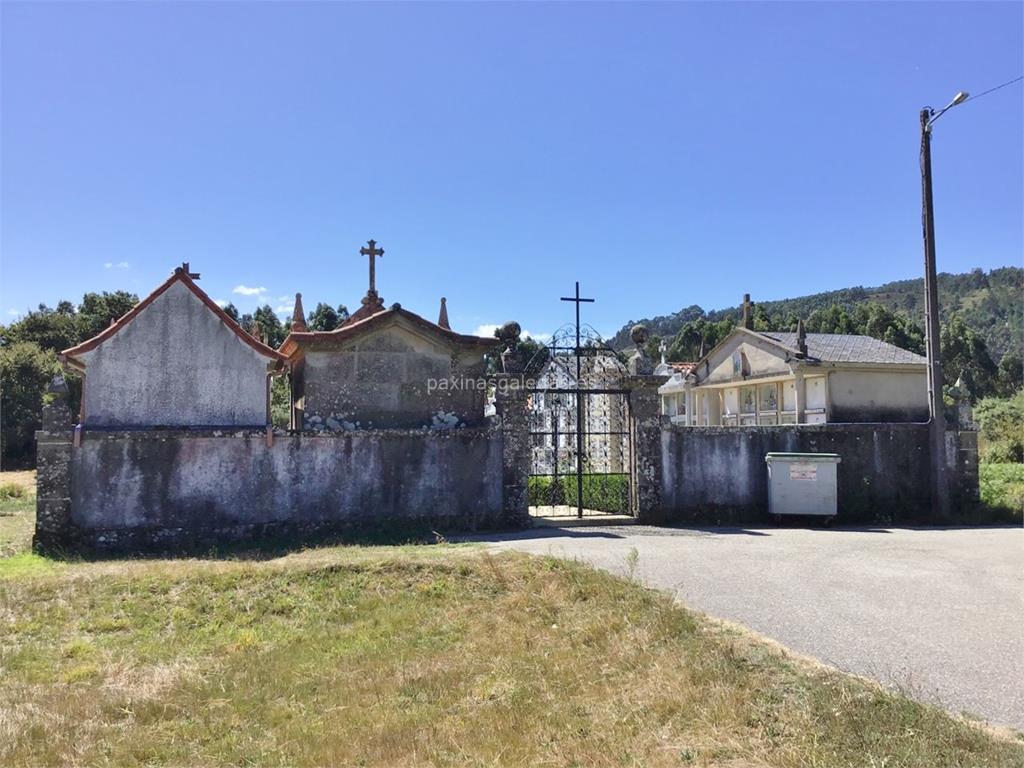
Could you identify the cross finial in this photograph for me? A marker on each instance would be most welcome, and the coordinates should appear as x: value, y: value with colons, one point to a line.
x: 372, y: 251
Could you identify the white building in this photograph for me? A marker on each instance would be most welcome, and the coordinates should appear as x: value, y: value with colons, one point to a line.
x: 768, y: 378
x: 605, y: 425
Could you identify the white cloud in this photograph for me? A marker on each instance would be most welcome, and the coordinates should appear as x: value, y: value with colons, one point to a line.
x: 118, y: 265
x: 284, y: 309
x: 221, y: 302
x: 245, y: 290
x: 283, y: 299
x: 13, y: 312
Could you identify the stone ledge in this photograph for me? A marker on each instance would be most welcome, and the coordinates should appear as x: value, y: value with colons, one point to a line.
x: 489, y: 430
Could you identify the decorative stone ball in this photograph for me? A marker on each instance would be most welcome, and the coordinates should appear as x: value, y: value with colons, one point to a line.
x: 57, y: 386
x: 509, y: 332
x: 396, y: 306
x: 639, y: 335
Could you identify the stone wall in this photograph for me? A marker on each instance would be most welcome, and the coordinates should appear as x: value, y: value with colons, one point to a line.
x: 718, y: 474
x: 156, y: 489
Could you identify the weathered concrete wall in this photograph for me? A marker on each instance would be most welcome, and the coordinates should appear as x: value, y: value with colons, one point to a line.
x: 718, y: 474
x: 870, y: 396
x: 175, y: 364
x: 155, y: 488
x: 393, y: 378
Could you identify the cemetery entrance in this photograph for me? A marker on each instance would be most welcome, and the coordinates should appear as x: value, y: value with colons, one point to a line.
x: 580, y: 437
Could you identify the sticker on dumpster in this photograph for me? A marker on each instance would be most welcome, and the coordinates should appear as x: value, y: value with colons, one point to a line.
x: 803, y: 472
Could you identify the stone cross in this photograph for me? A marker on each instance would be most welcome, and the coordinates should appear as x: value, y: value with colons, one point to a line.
x: 372, y: 251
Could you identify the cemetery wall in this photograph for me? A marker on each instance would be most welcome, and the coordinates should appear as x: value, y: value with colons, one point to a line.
x: 717, y: 475
x: 160, y: 489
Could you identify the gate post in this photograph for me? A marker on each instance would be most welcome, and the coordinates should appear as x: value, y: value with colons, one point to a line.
x: 645, y: 430
x: 54, y: 527
x: 511, y: 404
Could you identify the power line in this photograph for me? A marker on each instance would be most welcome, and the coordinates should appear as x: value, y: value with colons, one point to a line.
x: 990, y: 90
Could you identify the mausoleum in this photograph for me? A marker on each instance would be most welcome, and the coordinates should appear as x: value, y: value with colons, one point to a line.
x: 385, y: 369
x: 771, y: 378
x: 176, y: 359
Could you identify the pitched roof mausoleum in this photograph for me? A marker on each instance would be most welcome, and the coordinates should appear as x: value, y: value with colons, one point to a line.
x: 385, y: 368
x: 176, y: 359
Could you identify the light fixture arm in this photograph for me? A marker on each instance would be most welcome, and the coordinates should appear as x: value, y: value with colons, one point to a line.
x: 960, y: 98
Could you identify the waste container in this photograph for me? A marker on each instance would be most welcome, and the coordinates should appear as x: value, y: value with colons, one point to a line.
x: 802, y: 484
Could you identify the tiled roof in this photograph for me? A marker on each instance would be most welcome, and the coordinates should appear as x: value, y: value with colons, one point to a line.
x: 297, y: 339
x: 681, y: 367
x: 848, y: 348
x: 179, y: 275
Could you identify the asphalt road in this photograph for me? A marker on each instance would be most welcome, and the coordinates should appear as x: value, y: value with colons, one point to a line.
x: 937, y: 613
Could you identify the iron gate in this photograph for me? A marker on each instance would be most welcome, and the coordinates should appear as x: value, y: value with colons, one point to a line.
x: 579, y: 425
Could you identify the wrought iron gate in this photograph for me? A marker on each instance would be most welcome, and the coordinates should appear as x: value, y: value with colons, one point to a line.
x: 579, y: 423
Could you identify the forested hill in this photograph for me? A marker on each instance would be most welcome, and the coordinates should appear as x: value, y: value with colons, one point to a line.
x: 990, y: 303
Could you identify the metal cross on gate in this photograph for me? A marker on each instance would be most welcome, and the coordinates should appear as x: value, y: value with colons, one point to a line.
x: 579, y: 402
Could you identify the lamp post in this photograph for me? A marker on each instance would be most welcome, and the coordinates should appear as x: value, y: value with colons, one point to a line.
x: 936, y: 408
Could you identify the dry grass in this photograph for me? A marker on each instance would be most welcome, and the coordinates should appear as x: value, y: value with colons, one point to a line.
x: 17, y: 511
x: 421, y: 656
x: 404, y: 656
x: 24, y: 479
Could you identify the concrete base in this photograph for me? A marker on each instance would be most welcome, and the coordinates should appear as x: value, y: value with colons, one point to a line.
x: 566, y: 517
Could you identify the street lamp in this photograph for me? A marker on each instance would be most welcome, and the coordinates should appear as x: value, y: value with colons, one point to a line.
x: 936, y: 409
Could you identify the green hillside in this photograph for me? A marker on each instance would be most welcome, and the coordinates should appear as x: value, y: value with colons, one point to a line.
x: 989, y: 303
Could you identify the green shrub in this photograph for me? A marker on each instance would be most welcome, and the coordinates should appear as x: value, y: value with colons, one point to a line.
x: 602, y: 493
x: 25, y: 370
x: 1002, y: 487
x: 1001, y: 421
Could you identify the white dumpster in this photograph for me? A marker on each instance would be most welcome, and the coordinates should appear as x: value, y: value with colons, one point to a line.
x: 802, y: 484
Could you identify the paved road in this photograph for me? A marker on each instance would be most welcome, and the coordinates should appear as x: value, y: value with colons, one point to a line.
x: 938, y: 613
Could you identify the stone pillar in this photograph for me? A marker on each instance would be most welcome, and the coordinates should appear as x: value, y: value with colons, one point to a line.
x: 961, y: 446
x: 962, y: 468
x: 53, y: 472
x: 511, y: 404
x: 645, y: 430
x: 690, y: 404
x: 713, y: 399
x: 800, y: 392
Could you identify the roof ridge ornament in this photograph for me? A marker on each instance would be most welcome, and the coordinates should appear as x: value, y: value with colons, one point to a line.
x: 442, y: 317
x: 185, y: 269
x: 748, y: 312
x: 298, y: 315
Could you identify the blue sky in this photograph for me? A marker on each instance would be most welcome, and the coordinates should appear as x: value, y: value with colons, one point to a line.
x: 662, y: 154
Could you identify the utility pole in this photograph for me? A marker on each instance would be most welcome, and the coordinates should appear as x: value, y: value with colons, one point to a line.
x: 936, y: 407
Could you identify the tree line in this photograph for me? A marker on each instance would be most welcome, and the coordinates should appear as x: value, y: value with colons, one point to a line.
x: 965, y: 354
x: 29, y: 347
x: 987, y: 302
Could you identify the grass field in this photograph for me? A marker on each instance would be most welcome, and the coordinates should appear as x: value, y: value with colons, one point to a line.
x: 418, y: 655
